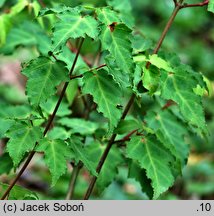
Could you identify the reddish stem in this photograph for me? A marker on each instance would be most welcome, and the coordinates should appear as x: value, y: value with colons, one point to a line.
x: 126, y: 138
x: 48, y: 126
x: 129, y: 105
x: 201, y: 4
x: 168, y: 104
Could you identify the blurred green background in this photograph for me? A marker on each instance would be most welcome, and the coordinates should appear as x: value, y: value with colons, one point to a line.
x: 192, y: 38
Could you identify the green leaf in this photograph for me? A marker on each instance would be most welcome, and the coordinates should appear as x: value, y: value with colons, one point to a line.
x: 118, y: 5
x: 79, y: 126
x: 12, y: 94
x: 137, y: 79
x: 18, y: 193
x: 211, y: 6
x: 27, y: 34
x: 59, y: 133
x: 43, y: 78
x: 121, y: 78
x: 6, y: 163
x: 56, y: 153
x: 17, y: 8
x: 116, y: 39
x: 5, y: 124
x: 110, y: 167
x: 128, y: 125
x: 107, y: 16
x: 140, y: 175
x: 140, y: 44
x: 73, y: 25
x: 170, y: 132
x: 81, y: 154
x: 59, y: 8
x: 160, y: 63
x: 68, y: 57
x: 200, y: 188
x: 8, y: 115
x: 155, y: 159
x: 50, y: 104
x: 4, y: 26
x: 178, y: 86
x: 23, y: 138
x: 15, y: 112
x: 151, y: 79
x: 106, y: 94
x: 125, y: 9
x: 172, y: 58
x: 71, y: 91
x: 36, y: 6
x: 2, y: 3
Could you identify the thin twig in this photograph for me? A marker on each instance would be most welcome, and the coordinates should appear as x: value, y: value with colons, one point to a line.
x: 201, y: 4
x: 73, y: 180
x: 166, y: 29
x: 92, y: 69
x: 51, y: 118
x: 42, y: 3
x: 175, y: 2
x: 130, y: 103
x: 99, y: 67
x: 75, y: 77
x: 78, y: 167
x: 80, y: 76
x: 168, y: 104
x: 126, y: 138
x: 73, y: 49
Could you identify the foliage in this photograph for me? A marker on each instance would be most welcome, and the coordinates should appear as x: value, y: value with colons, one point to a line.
x: 24, y: 134
x: 19, y: 193
x: 104, y: 95
x: 90, y: 62
x: 44, y: 76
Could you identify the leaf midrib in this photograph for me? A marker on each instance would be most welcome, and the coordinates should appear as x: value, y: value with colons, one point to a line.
x: 44, y: 84
x: 66, y: 37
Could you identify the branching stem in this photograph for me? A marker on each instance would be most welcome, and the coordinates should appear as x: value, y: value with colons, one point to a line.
x: 77, y: 168
x: 201, y: 4
x: 75, y: 173
x: 48, y: 126
x: 175, y: 2
x: 130, y: 103
x: 126, y: 138
x: 42, y: 3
